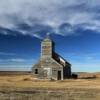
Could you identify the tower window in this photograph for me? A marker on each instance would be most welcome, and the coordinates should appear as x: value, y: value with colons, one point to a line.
x: 36, y: 71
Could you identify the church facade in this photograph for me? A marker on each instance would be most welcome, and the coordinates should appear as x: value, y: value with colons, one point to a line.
x: 50, y: 64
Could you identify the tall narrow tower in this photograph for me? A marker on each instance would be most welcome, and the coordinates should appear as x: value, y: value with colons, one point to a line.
x: 46, y: 48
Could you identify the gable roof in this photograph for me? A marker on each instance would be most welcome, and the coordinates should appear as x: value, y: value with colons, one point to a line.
x: 60, y: 59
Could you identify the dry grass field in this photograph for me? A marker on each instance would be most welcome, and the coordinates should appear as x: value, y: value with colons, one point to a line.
x: 25, y: 81
x: 26, y: 87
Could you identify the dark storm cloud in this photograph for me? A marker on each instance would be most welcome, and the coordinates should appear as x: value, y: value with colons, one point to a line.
x: 29, y: 17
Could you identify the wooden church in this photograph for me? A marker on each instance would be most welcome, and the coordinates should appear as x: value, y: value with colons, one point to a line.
x: 50, y: 64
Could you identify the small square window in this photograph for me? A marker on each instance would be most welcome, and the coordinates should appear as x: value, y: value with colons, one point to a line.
x: 36, y: 71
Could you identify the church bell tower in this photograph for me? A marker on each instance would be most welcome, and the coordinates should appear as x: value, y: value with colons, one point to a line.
x: 46, y: 48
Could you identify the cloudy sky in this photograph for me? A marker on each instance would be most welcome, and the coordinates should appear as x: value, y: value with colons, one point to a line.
x: 74, y: 25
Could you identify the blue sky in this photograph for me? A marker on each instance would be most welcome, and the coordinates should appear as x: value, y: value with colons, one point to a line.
x: 74, y: 26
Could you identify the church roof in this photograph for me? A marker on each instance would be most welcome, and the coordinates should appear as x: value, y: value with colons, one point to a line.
x: 60, y: 59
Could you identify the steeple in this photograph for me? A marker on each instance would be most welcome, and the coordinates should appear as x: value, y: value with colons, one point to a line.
x: 47, y: 37
x: 46, y: 47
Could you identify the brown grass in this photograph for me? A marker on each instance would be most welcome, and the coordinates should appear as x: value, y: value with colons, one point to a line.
x: 27, y: 81
x: 25, y: 87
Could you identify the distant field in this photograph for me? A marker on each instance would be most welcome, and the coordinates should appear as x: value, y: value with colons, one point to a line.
x: 15, y: 72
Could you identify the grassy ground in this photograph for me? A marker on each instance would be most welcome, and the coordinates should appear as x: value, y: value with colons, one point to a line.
x: 27, y: 81
x: 25, y: 87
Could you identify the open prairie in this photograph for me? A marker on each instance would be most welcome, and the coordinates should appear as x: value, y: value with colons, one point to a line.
x: 29, y: 81
x: 26, y: 87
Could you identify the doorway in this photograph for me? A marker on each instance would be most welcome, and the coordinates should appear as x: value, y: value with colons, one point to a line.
x: 59, y: 75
